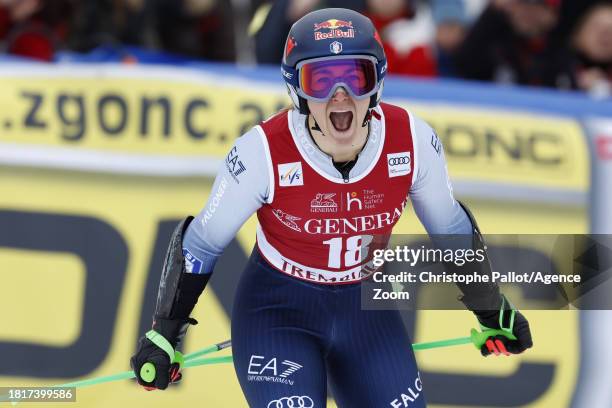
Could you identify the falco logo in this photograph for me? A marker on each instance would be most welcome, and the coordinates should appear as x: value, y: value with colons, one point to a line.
x: 234, y: 165
x: 287, y: 219
x: 260, y: 370
x: 214, y: 201
x: 290, y: 174
x: 410, y: 394
x: 398, y: 164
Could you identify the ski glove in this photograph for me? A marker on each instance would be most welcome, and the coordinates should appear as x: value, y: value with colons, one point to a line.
x: 156, y: 363
x: 509, y: 320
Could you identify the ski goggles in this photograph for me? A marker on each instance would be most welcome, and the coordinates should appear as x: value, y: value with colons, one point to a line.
x: 317, y: 79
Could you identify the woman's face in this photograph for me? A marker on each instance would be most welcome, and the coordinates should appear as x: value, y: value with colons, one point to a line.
x: 531, y: 19
x: 386, y: 8
x: 341, y: 116
x: 594, y: 37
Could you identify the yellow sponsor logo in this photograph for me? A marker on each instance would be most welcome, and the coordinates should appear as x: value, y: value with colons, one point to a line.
x: 510, y: 147
x: 180, y: 113
x: 126, y: 114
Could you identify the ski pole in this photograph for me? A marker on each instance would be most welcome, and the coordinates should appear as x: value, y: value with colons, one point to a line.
x: 148, y: 371
x: 188, y: 363
x: 130, y: 374
x: 193, y: 362
x: 477, y: 338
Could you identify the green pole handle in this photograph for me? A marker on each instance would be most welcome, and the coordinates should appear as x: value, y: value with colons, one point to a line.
x: 479, y: 338
x: 147, y: 372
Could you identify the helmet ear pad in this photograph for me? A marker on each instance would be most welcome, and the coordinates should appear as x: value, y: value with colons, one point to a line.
x: 303, y: 106
x: 375, y: 99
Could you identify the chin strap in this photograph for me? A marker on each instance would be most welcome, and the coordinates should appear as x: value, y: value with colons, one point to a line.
x: 368, y: 117
x: 316, y: 126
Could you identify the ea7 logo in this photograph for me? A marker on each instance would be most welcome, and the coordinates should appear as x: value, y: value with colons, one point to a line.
x: 399, y: 164
x: 261, y: 369
x: 435, y: 143
x: 271, y: 367
x: 234, y: 165
x: 290, y: 174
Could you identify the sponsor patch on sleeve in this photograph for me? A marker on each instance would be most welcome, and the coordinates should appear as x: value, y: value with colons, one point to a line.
x: 192, y: 263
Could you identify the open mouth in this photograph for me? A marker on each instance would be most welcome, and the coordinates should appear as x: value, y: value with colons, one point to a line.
x: 341, y: 120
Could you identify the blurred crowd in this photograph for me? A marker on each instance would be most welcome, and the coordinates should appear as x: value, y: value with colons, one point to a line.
x: 563, y: 44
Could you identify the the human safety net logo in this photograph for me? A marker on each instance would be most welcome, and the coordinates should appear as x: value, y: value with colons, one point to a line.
x: 399, y: 164
x: 290, y: 174
x: 272, y: 370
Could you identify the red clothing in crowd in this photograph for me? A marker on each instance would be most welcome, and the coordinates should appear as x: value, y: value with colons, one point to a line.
x: 33, y: 37
x: 418, y: 61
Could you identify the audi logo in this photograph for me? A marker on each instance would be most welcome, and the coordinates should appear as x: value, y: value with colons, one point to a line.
x: 294, y: 401
x: 394, y: 161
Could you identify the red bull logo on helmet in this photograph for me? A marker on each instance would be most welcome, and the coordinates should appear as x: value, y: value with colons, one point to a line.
x: 333, y: 29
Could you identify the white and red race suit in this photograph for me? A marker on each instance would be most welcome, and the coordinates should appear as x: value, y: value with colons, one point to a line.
x: 323, y: 228
x: 314, y: 223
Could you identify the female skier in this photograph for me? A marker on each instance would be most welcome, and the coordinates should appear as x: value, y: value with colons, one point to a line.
x: 325, y: 179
